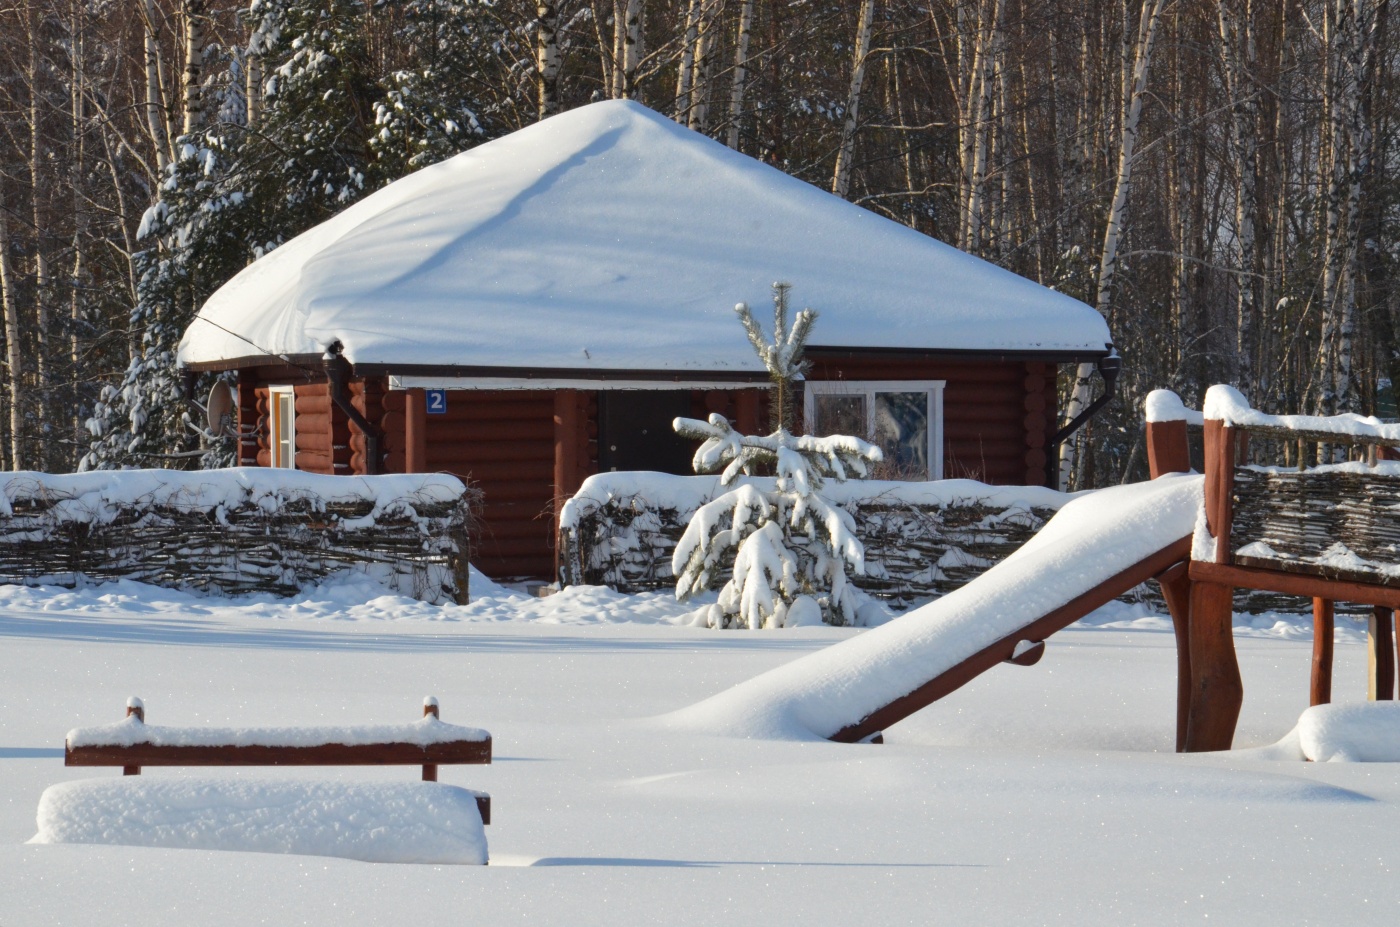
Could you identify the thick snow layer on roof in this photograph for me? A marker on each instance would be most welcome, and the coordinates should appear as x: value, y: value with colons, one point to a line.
x: 380, y: 822
x: 611, y: 238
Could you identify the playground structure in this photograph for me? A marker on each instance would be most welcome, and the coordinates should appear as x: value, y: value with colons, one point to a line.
x: 1321, y: 533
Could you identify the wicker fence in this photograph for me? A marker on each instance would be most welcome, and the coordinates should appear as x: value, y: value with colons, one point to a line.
x: 921, y: 539
x: 237, y: 531
x: 1336, y: 521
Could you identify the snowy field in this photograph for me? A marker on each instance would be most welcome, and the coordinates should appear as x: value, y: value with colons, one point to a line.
x: 1034, y: 795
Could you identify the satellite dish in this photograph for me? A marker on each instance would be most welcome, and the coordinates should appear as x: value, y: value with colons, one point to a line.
x: 222, y: 409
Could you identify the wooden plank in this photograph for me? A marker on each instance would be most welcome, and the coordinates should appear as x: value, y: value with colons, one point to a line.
x: 1380, y: 649
x: 1324, y: 625
x: 1056, y: 620
x: 1216, y: 689
x: 1309, y: 587
x: 474, y: 752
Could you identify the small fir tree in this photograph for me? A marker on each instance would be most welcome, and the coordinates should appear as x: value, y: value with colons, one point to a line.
x: 789, y: 547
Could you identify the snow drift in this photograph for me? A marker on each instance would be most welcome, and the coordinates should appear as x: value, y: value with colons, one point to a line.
x: 390, y: 822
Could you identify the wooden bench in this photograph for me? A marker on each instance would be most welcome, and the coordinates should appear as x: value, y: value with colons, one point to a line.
x: 132, y: 744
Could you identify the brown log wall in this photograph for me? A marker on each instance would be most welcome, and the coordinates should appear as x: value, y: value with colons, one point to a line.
x: 503, y: 442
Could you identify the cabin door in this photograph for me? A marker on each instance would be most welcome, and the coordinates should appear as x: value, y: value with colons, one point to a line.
x: 635, y: 433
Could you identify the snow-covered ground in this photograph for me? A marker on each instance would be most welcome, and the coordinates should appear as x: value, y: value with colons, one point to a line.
x: 1034, y: 795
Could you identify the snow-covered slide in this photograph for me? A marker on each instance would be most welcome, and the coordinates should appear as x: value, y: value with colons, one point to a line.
x: 1096, y: 548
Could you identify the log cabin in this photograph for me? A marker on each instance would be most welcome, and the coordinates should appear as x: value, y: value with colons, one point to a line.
x: 540, y: 307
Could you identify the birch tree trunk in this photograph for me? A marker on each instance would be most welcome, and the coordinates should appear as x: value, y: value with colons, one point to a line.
x: 254, y: 87
x: 14, y: 355
x: 195, y: 39
x: 547, y: 57
x: 155, y: 103
x: 39, y: 194
x: 632, y: 50
x: 741, y: 73
x: 699, y: 112
x: 1141, y: 58
x: 686, y: 75
x: 1238, y: 64
x: 979, y: 126
x: 841, y: 176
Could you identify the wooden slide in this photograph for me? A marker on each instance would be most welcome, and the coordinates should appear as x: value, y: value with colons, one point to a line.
x: 1093, y: 550
x: 1168, y: 560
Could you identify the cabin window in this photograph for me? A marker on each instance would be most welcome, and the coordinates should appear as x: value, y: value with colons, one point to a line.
x: 282, y: 402
x: 904, y: 418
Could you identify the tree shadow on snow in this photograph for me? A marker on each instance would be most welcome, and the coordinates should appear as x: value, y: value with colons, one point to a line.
x: 212, y: 633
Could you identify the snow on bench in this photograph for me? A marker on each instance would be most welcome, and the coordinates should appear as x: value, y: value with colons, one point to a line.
x: 132, y: 743
x: 379, y: 822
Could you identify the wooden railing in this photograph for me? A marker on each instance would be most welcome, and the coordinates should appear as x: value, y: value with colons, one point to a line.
x: 1235, y: 492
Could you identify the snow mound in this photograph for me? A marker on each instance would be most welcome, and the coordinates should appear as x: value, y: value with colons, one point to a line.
x: 1163, y: 405
x: 399, y: 822
x: 1091, y: 539
x: 1360, y: 733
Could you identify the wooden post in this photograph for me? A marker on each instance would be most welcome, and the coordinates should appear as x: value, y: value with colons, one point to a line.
x: 415, y: 438
x: 1220, y: 451
x: 1216, y: 689
x: 1176, y: 589
x: 1320, y: 688
x: 134, y: 706
x: 1380, y: 676
x: 1167, y: 450
x: 430, y: 707
x: 567, y: 425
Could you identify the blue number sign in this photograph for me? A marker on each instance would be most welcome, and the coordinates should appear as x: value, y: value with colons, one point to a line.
x: 437, y: 401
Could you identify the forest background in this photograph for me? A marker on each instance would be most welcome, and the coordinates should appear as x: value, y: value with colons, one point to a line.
x: 1217, y: 177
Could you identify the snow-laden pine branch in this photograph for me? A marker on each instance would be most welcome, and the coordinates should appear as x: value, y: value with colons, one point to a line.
x: 790, y: 548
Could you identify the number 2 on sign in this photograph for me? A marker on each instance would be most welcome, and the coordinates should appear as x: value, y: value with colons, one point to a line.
x: 437, y: 401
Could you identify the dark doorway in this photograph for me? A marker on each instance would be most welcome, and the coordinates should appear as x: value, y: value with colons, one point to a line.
x: 635, y: 433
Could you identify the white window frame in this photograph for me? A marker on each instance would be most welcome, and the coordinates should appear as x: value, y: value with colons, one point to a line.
x: 868, y: 388
x: 275, y: 398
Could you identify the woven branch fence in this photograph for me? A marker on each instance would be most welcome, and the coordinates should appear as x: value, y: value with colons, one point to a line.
x: 1341, y: 522
x: 237, y: 531
x: 922, y: 540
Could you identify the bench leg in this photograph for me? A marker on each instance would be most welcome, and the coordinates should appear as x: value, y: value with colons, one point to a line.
x: 430, y: 772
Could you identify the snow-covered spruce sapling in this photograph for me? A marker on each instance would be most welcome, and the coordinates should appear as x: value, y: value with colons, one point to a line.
x: 789, y: 547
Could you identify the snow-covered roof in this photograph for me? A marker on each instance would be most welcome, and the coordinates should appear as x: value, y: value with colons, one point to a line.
x: 610, y: 238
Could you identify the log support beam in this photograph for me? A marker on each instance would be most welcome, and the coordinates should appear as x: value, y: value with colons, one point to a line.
x: 1320, y: 687
x: 415, y: 443
x: 1216, y: 689
x: 1380, y: 646
x: 1176, y: 589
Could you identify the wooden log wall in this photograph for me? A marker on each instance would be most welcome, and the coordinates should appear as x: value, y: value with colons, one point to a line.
x: 996, y: 414
x: 502, y: 441
x: 250, y: 422
x: 322, y: 430
x: 367, y: 395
